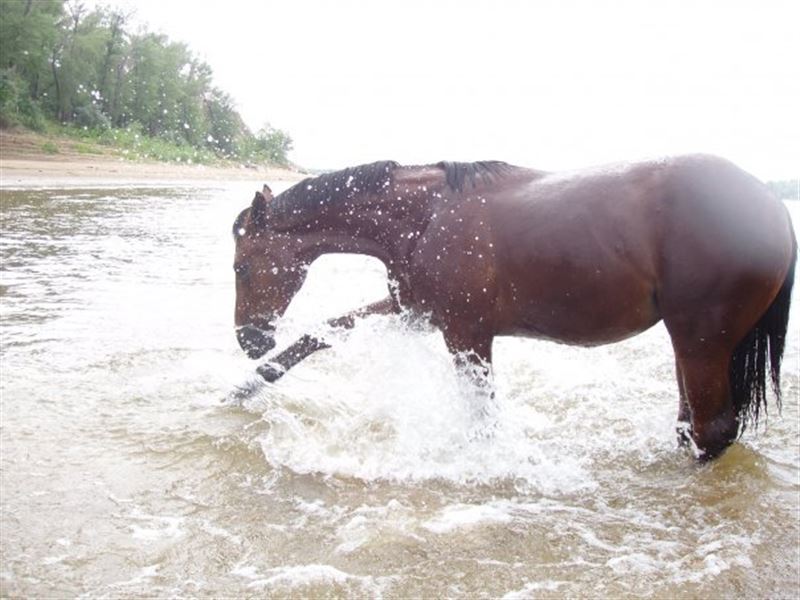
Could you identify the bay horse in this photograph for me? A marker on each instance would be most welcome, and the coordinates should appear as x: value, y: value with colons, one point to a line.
x: 587, y: 257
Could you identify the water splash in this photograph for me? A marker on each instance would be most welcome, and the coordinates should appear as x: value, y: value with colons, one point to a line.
x: 385, y: 403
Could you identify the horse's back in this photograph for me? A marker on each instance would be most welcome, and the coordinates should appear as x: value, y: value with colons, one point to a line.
x: 595, y: 256
x: 578, y: 254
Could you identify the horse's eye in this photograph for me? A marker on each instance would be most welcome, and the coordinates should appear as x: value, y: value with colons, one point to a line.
x: 241, y: 269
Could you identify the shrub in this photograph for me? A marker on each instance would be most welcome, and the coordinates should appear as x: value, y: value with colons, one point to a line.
x: 16, y: 105
x: 92, y: 117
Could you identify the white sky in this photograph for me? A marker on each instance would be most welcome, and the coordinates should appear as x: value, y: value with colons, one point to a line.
x: 548, y: 84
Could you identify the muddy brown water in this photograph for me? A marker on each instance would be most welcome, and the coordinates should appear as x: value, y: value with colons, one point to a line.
x: 131, y: 468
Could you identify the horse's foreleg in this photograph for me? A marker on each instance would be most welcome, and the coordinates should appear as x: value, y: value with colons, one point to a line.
x: 472, y: 356
x: 297, y: 352
x: 387, y: 306
x: 308, y: 345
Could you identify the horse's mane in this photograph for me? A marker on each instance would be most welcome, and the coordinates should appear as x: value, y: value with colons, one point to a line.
x: 458, y: 174
x: 314, y: 193
x: 304, y: 200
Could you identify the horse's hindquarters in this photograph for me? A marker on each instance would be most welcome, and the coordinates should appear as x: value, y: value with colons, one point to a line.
x: 728, y: 247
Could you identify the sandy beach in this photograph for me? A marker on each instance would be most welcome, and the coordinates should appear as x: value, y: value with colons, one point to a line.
x: 24, y: 163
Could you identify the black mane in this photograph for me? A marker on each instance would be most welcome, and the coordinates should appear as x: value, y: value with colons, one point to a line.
x: 460, y: 173
x: 304, y: 200
x: 314, y: 193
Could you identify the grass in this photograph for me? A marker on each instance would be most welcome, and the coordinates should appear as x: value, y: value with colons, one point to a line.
x: 82, y: 148
x: 131, y: 144
x: 136, y: 146
x: 49, y: 148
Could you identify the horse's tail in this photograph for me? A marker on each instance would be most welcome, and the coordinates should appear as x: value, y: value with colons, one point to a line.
x: 764, y: 343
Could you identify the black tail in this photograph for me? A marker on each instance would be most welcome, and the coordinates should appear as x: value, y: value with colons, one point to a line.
x: 765, y: 342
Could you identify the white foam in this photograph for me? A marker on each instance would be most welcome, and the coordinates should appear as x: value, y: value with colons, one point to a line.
x: 155, y: 527
x: 386, y: 403
x: 533, y: 589
x: 368, y: 523
x: 465, y: 516
x: 302, y: 575
x: 296, y: 576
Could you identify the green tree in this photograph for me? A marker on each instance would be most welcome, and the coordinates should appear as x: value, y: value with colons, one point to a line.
x: 112, y: 67
x: 787, y: 189
x: 225, y: 126
x: 76, y: 56
x: 84, y: 68
x: 28, y: 30
x: 273, y: 144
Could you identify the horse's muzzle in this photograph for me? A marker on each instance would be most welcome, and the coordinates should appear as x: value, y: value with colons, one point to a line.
x: 256, y: 342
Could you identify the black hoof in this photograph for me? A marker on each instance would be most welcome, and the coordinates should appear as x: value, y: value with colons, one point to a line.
x: 684, y: 433
x: 270, y: 372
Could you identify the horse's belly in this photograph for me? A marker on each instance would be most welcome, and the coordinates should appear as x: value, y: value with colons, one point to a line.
x: 589, y: 314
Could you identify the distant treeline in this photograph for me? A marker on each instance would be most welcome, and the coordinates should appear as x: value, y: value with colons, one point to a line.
x: 788, y: 189
x: 61, y: 62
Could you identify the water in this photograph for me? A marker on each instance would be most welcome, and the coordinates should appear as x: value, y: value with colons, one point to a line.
x: 130, y: 468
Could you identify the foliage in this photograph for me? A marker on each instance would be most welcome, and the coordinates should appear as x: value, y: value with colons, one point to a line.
x: 272, y: 143
x: 88, y: 70
x: 787, y: 189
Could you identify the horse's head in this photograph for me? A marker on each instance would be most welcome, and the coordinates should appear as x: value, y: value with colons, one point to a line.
x: 269, y: 272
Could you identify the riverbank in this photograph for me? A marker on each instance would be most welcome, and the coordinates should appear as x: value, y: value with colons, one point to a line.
x: 28, y: 159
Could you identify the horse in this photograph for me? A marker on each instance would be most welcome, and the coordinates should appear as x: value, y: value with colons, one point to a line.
x: 585, y: 257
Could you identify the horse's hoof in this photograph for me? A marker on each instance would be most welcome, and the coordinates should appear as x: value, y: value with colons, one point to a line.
x: 483, y: 431
x: 270, y: 372
x: 683, y: 432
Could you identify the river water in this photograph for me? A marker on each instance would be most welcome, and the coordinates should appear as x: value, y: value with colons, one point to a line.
x: 132, y: 467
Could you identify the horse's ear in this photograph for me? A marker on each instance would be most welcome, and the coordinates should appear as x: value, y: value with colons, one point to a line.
x: 266, y: 192
x: 258, y: 210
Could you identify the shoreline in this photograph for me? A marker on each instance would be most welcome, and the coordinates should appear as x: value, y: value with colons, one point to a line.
x: 24, y: 164
x: 32, y: 172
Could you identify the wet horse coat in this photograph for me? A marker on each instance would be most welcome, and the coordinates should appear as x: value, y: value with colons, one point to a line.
x: 588, y: 257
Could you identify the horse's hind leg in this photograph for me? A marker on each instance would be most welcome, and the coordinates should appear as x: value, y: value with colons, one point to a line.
x: 705, y: 340
x: 703, y: 349
x: 713, y: 422
x: 684, y: 426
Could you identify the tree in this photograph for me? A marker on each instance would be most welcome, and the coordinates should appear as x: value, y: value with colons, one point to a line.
x: 84, y: 67
x: 27, y: 32
x: 225, y: 125
x: 274, y: 144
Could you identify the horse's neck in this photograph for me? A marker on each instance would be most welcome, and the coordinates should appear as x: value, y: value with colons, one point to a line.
x: 385, y: 227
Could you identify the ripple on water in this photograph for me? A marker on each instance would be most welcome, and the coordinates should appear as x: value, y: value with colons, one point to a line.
x: 130, y: 470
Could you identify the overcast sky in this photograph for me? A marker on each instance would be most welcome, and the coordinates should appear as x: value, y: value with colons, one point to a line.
x: 550, y: 84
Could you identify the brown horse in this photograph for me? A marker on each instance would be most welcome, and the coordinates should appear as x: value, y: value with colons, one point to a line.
x: 588, y: 257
